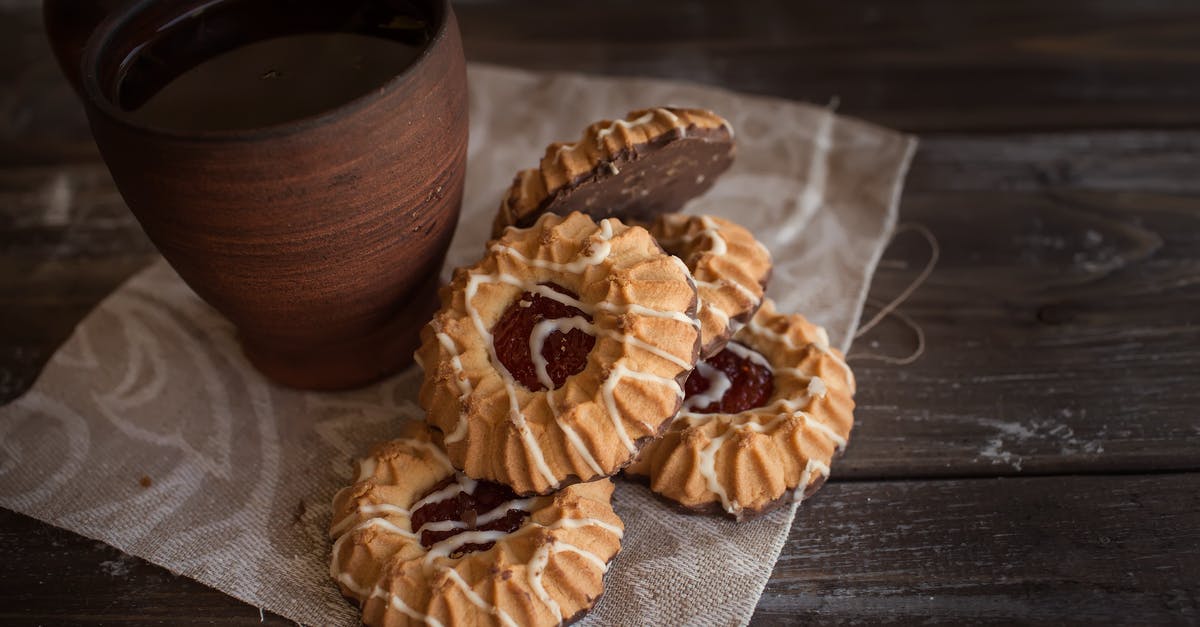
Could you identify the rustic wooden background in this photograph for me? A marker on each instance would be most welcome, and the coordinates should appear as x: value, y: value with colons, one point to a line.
x: 1039, y: 464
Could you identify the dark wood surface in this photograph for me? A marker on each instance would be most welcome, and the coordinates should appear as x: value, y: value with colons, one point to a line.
x: 1039, y: 464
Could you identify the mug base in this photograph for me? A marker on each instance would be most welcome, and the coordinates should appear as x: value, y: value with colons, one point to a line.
x: 351, y: 363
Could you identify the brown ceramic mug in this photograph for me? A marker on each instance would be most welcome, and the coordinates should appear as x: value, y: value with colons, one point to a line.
x: 320, y: 238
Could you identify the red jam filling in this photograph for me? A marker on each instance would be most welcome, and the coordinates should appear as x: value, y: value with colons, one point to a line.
x: 468, y: 508
x: 751, y: 383
x: 565, y: 353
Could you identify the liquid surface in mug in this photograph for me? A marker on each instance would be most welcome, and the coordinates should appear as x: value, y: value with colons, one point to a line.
x: 252, y: 63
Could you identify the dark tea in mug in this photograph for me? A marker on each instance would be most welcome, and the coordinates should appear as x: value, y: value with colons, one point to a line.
x: 241, y: 64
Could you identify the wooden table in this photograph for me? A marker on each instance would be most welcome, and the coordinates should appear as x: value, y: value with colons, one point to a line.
x: 1040, y: 463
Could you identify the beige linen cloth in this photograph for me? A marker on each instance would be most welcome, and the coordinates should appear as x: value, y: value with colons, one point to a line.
x: 152, y: 383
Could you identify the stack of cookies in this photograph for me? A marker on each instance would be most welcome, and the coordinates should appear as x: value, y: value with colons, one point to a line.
x: 600, y: 333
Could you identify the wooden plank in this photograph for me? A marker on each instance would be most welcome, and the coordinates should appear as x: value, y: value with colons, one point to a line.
x: 923, y: 65
x: 1063, y: 335
x: 930, y: 65
x: 1063, y: 550
x: 1076, y: 550
x: 55, y: 577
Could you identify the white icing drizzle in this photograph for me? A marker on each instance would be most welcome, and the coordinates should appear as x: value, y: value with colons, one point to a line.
x: 576, y: 523
x: 453, y: 543
x: 630, y: 340
x: 607, y: 391
x: 599, y: 252
x: 441, y: 525
x: 366, y: 468
x: 720, y: 313
x: 594, y: 253
x: 791, y: 408
x: 563, y: 547
x: 718, y: 385
x: 825, y: 429
x: 502, y: 510
x: 536, y: 569
x: 642, y: 310
x: 477, y: 600
x: 536, y: 566
x: 749, y: 420
x: 573, y: 436
x: 514, y: 410
x: 541, y: 559
x: 366, y: 510
x: 820, y: 342
x: 537, y: 341
x: 708, y: 458
x: 813, y: 466
x: 724, y: 282
x: 749, y: 354
x: 429, y: 447
x: 462, y: 483
x: 386, y: 525
x: 629, y: 124
x: 816, y: 388
x: 464, y: 386
x: 394, y: 601
x: 716, y: 243
x: 675, y: 121
x: 718, y: 381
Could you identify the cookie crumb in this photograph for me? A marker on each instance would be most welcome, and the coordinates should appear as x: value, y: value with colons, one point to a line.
x: 145, y: 481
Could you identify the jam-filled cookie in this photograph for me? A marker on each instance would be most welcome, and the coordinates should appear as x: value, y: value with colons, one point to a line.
x: 416, y: 542
x: 556, y: 357
x: 762, y: 420
x: 651, y: 162
x: 730, y: 267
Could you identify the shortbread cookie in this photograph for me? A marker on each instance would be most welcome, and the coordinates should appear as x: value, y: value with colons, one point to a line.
x: 416, y: 542
x: 651, y: 162
x: 730, y: 267
x: 556, y: 357
x: 762, y: 420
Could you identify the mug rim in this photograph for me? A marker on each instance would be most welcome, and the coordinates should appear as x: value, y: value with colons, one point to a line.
x: 103, y: 35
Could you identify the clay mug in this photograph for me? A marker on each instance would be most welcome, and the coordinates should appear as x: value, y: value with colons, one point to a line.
x: 320, y: 239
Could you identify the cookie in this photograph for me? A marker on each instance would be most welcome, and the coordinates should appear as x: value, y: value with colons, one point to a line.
x: 651, y: 162
x: 557, y: 356
x: 730, y: 267
x: 416, y: 542
x: 762, y: 421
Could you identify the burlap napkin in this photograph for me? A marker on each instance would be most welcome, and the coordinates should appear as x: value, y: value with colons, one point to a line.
x: 149, y: 431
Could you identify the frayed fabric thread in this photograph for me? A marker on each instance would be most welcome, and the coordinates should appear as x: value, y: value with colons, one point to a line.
x: 891, y: 308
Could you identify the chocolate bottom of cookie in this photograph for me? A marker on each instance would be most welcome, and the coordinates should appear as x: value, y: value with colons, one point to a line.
x: 646, y: 180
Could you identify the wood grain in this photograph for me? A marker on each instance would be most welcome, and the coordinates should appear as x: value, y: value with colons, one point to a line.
x: 1075, y: 294
x: 91, y: 583
x: 1057, y: 170
x: 1053, y: 550
x: 1062, y: 337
